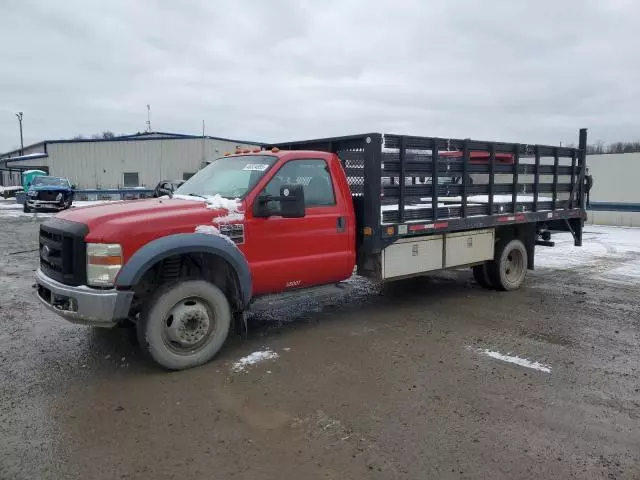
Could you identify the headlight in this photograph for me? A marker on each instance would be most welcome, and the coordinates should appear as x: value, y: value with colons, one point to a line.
x: 59, y: 197
x: 104, y: 261
x: 32, y: 193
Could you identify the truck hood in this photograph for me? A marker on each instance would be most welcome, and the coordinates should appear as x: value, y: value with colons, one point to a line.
x: 49, y: 188
x: 135, y: 223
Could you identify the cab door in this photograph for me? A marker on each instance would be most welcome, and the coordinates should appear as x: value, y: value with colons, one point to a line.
x: 287, y: 253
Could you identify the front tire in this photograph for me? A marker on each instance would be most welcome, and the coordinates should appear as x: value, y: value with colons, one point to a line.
x: 184, y: 324
x: 25, y: 208
x: 509, y: 268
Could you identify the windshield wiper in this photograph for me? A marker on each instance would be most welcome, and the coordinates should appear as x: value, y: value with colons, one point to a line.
x: 196, y: 195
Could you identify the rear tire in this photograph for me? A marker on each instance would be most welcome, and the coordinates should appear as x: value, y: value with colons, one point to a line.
x: 184, y: 324
x: 509, y: 268
x: 481, y: 276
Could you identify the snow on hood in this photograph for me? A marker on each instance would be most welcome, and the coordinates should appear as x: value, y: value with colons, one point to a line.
x: 214, y: 202
x: 231, y: 217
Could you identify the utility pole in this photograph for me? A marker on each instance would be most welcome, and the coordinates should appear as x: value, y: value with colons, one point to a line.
x: 203, y: 154
x: 19, y: 115
x: 148, y: 118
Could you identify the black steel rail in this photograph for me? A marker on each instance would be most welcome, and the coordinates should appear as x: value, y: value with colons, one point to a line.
x: 435, y: 183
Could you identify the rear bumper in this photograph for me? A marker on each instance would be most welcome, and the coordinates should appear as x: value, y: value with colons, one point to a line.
x: 83, y: 305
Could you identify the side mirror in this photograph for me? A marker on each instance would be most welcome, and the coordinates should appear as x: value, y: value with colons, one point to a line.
x: 291, y: 203
x: 74, y: 187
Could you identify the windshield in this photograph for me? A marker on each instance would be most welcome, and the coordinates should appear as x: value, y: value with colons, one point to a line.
x: 50, y: 181
x: 229, y: 177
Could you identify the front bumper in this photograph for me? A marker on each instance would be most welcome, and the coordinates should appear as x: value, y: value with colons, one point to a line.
x: 83, y: 305
x: 55, y: 205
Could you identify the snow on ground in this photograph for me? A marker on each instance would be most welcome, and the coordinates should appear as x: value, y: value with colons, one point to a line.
x: 522, y: 362
x: 599, y: 244
x: 255, y: 357
x: 597, y: 241
x: 9, y: 189
x: 9, y: 208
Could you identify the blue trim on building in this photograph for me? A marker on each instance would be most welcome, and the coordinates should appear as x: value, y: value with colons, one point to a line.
x: 613, y: 207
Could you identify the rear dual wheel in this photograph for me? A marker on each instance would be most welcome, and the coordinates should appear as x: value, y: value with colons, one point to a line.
x: 481, y: 276
x: 508, y: 269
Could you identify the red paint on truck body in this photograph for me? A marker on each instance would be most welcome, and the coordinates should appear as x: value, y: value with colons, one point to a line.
x: 282, y: 253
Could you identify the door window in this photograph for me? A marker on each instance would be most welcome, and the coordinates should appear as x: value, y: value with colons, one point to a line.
x: 314, y: 177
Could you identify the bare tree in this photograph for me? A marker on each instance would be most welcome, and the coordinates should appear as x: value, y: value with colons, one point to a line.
x: 600, y: 147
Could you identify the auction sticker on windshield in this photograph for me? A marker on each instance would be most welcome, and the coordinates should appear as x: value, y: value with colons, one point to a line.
x: 257, y: 167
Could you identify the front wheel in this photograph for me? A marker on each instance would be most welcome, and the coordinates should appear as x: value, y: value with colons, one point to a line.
x: 509, y: 268
x: 185, y: 324
x: 25, y: 207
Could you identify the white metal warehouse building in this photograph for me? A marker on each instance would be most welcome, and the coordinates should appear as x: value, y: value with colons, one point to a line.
x: 615, y: 197
x: 140, y: 160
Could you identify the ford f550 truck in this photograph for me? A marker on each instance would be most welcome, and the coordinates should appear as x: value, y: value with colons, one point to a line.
x: 185, y: 269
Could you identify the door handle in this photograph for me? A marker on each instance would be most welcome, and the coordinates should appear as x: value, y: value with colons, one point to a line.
x: 342, y: 224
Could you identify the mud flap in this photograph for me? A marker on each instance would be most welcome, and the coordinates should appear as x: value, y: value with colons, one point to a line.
x: 241, y: 325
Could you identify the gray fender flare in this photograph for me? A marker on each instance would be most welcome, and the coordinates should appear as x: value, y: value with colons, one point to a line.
x: 183, y: 243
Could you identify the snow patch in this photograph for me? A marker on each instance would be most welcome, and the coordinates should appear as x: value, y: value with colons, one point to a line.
x: 211, y: 230
x: 598, y: 243
x: 214, y: 202
x: 190, y: 198
x: 523, y: 362
x: 231, y: 217
x: 208, y: 229
x: 252, y: 359
x: 629, y: 273
x: 394, y: 207
x: 10, y: 189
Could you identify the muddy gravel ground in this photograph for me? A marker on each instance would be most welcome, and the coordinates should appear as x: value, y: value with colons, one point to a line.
x: 431, y: 378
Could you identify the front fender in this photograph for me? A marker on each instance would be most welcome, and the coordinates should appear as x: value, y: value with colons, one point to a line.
x: 184, y: 243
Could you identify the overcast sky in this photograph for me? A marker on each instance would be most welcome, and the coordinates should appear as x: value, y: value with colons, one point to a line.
x: 519, y: 70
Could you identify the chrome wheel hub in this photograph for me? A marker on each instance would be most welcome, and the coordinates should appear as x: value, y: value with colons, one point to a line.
x: 188, y: 323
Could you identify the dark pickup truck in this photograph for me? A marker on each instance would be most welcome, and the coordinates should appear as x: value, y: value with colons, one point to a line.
x: 299, y: 215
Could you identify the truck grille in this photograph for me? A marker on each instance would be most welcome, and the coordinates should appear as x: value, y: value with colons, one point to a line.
x: 234, y: 231
x: 47, y: 196
x: 63, y: 251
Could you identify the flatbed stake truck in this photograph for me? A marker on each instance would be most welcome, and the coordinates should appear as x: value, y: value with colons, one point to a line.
x: 303, y: 214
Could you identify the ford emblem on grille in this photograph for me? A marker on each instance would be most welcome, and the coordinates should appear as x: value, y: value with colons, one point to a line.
x: 44, y: 253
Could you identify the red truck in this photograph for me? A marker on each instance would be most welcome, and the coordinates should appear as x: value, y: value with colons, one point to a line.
x: 185, y: 269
